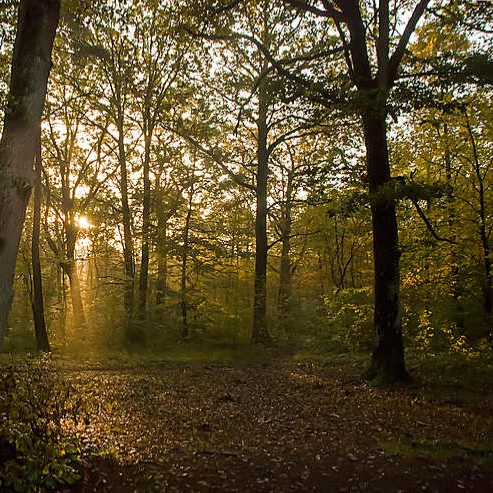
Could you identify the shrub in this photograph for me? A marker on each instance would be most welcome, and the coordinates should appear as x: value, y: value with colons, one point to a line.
x: 39, y: 448
x: 349, y: 314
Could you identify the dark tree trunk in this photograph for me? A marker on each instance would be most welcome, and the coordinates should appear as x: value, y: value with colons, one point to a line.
x: 260, y: 332
x: 162, y: 260
x: 131, y: 332
x: 31, y: 63
x: 42, y: 342
x: 146, y: 222
x: 457, y: 292
x: 483, y: 233
x: 387, y: 363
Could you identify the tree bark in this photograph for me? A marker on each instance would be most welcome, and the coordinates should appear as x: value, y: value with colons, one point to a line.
x: 31, y: 63
x: 162, y: 259
x: 387, y: 362
x: 184, y: 263
x: 37, y: 303
x: 487, y: 285
x: 128, y: 249
x: 284, y: 294
x: 260, y: 332
x: 146, y: 217
x: 285, y: 290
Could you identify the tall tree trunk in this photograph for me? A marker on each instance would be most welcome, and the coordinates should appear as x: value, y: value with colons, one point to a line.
x: 284, y: 293
x: 31, y: 63
x: 260, y: 332
x: 452, y: 220
x: 285, y: 223
x: 487, y: 286
x: 162, y: 259
x: 70, y: 268
x: 128, y: 250
x: 146, y: 220
x: 387, y: 363
x: 37, y: 304
x: 184, y: 262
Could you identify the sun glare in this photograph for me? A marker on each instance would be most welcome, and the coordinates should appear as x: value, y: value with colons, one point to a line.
x: 83, y: 223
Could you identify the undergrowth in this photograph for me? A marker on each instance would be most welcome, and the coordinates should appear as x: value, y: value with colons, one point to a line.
x: 39, y: 414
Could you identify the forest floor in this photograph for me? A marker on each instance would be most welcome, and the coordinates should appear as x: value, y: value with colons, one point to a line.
x: 282, y: 425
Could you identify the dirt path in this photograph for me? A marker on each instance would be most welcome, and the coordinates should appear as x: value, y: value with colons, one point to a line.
x: 279, y: 427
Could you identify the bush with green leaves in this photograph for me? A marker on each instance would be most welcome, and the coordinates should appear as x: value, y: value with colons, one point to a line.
x: 349, y: 315
x: 39, y: 412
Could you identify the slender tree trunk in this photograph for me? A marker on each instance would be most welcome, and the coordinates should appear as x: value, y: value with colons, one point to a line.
x: 162, y: 260
x: 42, y: 342
x: 70, y: 268
x: 452, y: 220
x: 488, y: 280
x: 184, y: 262
x: 146, y: 221
x: 284, y: 293
x: 483, y: 234
x: 128, y: 250
x: 260, y: 332
x: 285, y: 277
x: 387, y: 363
x: 31, y: 63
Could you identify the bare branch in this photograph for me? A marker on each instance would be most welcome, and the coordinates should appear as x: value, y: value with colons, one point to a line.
x: 396, y: 58
x: 429, y: 226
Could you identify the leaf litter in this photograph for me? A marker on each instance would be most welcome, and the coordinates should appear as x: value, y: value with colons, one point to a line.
x: 281, y: 426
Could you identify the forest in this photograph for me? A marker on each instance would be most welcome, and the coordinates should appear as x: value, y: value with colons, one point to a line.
x: 245, y: 245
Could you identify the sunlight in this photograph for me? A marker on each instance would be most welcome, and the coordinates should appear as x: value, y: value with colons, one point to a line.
x: 83, y: 222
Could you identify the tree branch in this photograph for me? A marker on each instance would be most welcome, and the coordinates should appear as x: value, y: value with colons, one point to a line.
x: 429, y: 226
x: 303, y: 5
x: 396, y: 58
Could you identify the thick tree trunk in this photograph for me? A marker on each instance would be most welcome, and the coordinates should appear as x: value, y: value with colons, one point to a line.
x: 31, y: 63
x: 37, y: 304
x: 260, y: 332
x: 387, y: 363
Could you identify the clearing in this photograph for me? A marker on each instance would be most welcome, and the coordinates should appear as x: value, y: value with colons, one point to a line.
x: 282, y: 425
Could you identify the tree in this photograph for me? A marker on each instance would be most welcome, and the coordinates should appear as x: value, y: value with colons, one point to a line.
x: 266, y: 114
x: 367, y: 33
x: 447, y: 152
x: 162, y: 61
x: 37, y: 301
x: 105, y: 40
x: 31, y: 64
